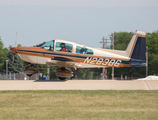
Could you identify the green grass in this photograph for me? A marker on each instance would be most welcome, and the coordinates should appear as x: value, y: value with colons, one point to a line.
x: 79, y: 105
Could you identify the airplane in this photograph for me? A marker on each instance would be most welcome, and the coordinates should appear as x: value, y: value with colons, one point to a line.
x: 64, y: 54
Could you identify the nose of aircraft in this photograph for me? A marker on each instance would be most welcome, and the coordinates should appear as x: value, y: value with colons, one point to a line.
x: 14, y: 49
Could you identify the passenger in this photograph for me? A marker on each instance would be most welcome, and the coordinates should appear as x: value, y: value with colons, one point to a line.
x: 63, y: 47
x: 83, y: 51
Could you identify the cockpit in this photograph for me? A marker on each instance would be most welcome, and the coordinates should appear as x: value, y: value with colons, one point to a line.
x: 63, y: 46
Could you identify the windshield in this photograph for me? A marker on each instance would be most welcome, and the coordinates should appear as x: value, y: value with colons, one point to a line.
x: 49, y: 45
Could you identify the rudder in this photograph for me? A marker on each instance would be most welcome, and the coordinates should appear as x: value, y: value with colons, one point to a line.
x: 137, y: 46
x: 139, y: 49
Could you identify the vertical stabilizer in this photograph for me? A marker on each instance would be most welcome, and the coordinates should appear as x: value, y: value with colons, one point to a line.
x: 137, y: 46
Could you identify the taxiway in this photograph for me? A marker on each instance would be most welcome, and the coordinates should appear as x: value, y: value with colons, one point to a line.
x: 79, y: 85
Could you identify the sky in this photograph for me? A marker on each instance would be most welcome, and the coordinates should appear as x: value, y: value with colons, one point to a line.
x: 85, y: 22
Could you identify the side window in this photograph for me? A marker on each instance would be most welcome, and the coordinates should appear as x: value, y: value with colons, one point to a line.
x: 89, y: 51
x: 83, y: 50
x: 49, y: 45
x: 65, y: 47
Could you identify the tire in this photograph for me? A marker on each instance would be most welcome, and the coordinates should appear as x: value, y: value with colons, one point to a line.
x: 62, y: 78
x: 29, y: 75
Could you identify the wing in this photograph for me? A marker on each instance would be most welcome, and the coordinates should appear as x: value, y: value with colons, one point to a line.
x: 63, y: 62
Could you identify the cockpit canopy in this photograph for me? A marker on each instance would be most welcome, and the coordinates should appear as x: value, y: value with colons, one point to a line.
x: 49, y: 45
x: 66, y: 47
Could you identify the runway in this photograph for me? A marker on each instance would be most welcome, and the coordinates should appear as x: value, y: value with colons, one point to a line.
x: 79, y: 85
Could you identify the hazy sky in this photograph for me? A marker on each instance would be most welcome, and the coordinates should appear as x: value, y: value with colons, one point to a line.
x: 83, y: 3
x: 81, y: 21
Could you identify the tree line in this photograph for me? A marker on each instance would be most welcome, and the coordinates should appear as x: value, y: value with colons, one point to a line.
x: 122, y: 39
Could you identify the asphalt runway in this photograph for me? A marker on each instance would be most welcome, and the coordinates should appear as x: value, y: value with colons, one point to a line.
x: 79, y: 85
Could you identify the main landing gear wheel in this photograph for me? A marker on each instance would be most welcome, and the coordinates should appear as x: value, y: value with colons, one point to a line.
x: 63, y: 73
x: 62, y: 78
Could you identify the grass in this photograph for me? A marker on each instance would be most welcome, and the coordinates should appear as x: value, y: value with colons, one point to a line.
x: 79, y: 105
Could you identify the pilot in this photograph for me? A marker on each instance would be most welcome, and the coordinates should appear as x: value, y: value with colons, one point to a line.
x: 63, y: 47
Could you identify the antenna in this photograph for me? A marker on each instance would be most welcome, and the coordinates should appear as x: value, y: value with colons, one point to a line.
x: 16, y: 40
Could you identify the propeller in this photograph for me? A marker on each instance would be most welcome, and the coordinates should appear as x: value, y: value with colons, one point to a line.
x: 14, y: 51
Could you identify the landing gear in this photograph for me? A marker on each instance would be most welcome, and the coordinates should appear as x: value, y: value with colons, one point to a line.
x: 29, y: 72
x: 63, y: 73
x: 62, y: 78
x: 29, y: 75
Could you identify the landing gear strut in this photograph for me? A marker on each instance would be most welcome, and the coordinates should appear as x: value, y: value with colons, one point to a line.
x: 62, y: 68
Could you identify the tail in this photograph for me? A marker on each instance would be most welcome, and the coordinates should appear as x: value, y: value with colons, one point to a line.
x: 136, y: 49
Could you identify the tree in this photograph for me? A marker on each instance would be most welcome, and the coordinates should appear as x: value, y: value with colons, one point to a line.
x: 152, y: 43
x: 122, y: 40
x: 2, y: 55
x: 52, y: 73
x: 14, y: 66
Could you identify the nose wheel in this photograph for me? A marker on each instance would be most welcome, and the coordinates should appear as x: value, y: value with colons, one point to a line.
x: 62, y: 78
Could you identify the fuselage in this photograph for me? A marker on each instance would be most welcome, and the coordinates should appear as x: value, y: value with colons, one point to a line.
x: 69, y: 54
x: 91, y: 57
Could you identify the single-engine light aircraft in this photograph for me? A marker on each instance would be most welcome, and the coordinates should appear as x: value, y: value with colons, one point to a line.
x: 64, y: 54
